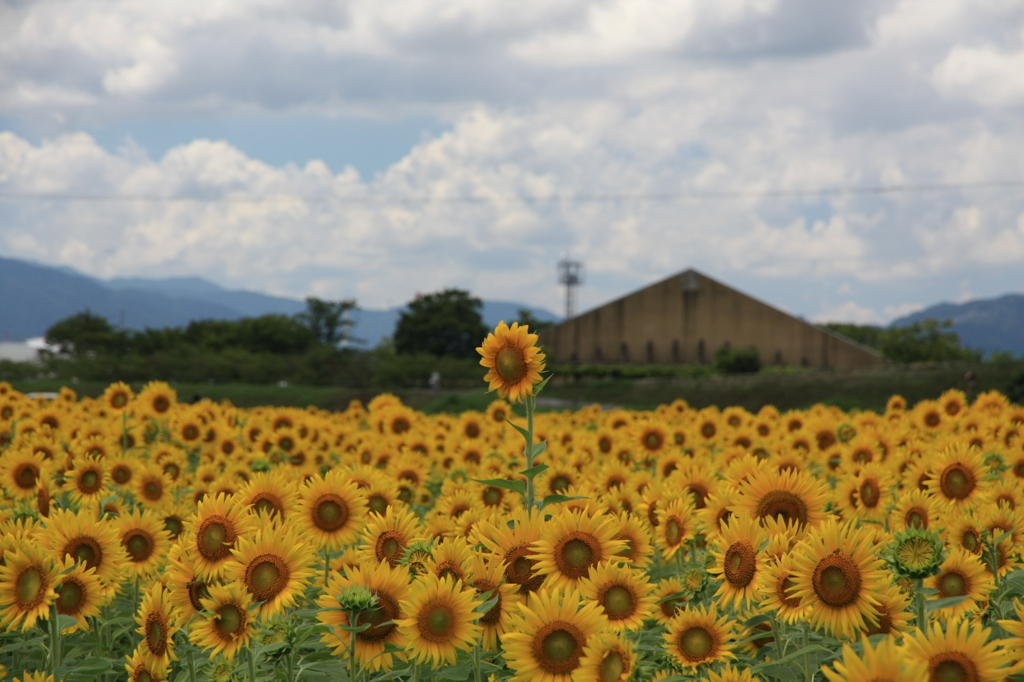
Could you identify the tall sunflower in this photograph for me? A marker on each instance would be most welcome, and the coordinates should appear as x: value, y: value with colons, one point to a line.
x: 271, y: 493
x: 624, y: 594
x: 962, y: 574
x: 87, y: 481
x: 439, y: 620
x: 275, y: 565
x: 80, y: 594
x: 775, y: 586
x: 838, y: 574
x: 606, y: 658
x: 21, y: 470
x: 390, y: 586
x: 157, y: 629
x: 513, y: 361
x: 488, y: 579
x: 144, y: 540
x: 790, y: 496
x: 386, y: 537
x: 676, y: 524
x: 957, y: 476
x: 963, y: 652
x: 546, y: 640
x: 883, y: 662
x: 227, y: 622
x: 697, y: 636
x: 572, y: 544
x: 738, y: 559
x: 89, y: 541
x: 332, y: 509
x: 213, y: 531
x: 27, y: 580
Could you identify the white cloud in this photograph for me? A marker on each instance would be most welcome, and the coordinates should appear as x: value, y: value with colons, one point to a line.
x: 849, y: 311
x: 621, y: 103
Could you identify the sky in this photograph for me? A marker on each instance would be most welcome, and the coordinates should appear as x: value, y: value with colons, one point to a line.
x: 844, y: 161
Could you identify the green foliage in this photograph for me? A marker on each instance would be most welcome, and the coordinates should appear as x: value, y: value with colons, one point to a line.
x: 865, y: 334
x: 924, y: 341
x: 84, y: 334
x: 328, y: 320
x: 1015, y: 389
x: 743, y: 360
x: 525, y: 317
x: 446, y: 323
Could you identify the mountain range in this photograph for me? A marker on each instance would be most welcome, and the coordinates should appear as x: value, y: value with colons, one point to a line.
x: 988, y: 325
x: 33, y: 297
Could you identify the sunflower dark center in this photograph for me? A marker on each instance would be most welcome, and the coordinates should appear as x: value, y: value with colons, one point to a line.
x: 917, y: 518
x: 378, y: 504
x: 740, y: 563
x: 673, y: 532
x: 269, y: 504
x: 618, y: 602
x: 215, y: 538
x: 970, y: 541
x: 390, y: 545
x: 869, y: 495
x: 71, y: 597
x: 510, y: 364
x: 576, y: 553
x: 952, y: 584
x: 85, y: 550
x: 153, y: 489
x: 28, y: 588
x: 952, y: 666
x: 493, y: 496
x: 436, y: 623
x: 783, y: 505
x: 266, y: 576
x: 330, y: 512
x: 121, y: 474
x: 784, y: 591
x: 612, y: 667
x: 653, y: 441
x: 696, y: 644
x: 89, y: 482
x: 139, y: 545
x: 197, y: 591
x: 957, y: 481
x: 837, y: 580
x: 230, y: 621
x: 557, y: 647
x: 161, y: 404
x: 25, y: 475
x: 156, y: 634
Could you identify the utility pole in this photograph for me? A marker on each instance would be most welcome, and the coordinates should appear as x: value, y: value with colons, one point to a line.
x: 570, y: 273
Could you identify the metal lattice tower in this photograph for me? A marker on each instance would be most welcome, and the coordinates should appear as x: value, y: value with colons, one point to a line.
x: 570, y: 273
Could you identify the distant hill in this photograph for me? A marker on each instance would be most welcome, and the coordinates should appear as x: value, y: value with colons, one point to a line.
x: 33, y: 297
x: 988, y: 325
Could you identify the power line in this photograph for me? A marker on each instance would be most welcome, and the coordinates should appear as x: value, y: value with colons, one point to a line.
x: 578, y: 198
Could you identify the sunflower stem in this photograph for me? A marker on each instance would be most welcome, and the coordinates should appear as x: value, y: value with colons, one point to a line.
x: 53, y: 639
x: 919, y: 601
x: 808, y: 671
x: 416, y: 671
x: 191, y: 665
x: 252, y: 664
x: 476, y: 664
x: 327, y: 565
x: 353, y: 619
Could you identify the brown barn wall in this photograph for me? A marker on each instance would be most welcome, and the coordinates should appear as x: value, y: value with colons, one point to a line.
x: 686, y: 318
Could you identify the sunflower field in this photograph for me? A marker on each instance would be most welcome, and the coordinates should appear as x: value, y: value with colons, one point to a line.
x: 157, y: 540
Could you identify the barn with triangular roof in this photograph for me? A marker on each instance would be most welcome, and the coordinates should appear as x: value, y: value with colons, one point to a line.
x: 686, y: 318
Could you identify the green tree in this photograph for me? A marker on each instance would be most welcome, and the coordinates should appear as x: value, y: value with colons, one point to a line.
x: 864, y: 334
x: 85, y: 333
x: 924, y: 341
x: 526, y: 317
x: 329, y: 320
x: 447, y: 323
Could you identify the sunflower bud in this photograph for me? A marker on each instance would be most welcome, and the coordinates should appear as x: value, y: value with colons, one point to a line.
x: 916, y: 553
x: 357, y: 598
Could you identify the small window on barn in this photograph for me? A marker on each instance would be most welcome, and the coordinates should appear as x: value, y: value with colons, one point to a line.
x: 650, y: 350
x: 701, y: 353
x: 675, y: 350
x: 624, y: 352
